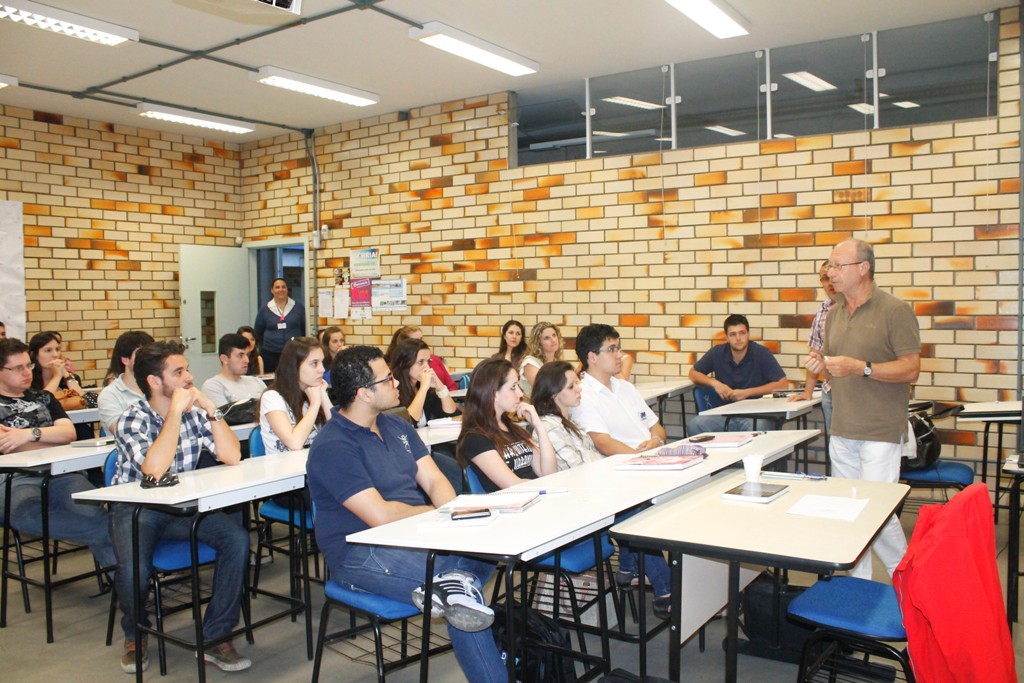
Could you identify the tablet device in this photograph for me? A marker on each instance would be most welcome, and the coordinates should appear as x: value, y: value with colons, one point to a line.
x: 755, y: 492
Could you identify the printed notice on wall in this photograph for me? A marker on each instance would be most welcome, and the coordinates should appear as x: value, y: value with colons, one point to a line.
x: 341, y: 300
x: 364, y: 263
x: 12, y: 275
x: 389, y: 294
x: 361, y: 292
x: 325, y: 303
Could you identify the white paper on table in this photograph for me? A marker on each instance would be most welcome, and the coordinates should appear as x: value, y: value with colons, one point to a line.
x: 829, y: 507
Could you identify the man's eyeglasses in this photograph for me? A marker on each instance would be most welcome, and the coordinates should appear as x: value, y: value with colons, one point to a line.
x: 611, y: 349
x: 28, y: 367
x: 389, y: 378
x: 832, y: 265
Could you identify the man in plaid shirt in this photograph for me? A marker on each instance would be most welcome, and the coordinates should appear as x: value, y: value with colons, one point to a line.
x: 167, y: 433
x: 816, y: 342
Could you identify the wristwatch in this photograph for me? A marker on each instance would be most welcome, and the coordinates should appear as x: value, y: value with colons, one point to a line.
x: 867, y: 368
x: 217, y: 415
x: 37, y: 434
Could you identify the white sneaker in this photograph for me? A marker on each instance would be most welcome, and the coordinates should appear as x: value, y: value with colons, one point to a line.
x: 456, y: 596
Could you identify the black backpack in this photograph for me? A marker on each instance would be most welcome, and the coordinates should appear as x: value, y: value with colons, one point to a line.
x: 535, y: 665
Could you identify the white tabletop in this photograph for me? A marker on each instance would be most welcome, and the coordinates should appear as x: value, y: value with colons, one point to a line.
x: 84, y: 415
x: 58, y: 459
x: 594, y: 494
x: 243, y: 430
x: 213, y: 488
x: 432, y: 436
x: 652, y: 389
x: 766, y: 406
x: 991, y: 411
x: 766, y: 533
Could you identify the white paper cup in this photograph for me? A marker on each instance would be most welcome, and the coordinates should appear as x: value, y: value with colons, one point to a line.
x: 752, y: 467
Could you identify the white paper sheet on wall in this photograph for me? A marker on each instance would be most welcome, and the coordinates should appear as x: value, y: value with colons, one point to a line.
x: 12, y: 275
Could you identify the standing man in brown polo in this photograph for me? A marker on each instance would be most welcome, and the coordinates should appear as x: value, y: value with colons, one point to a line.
x: 872, y: 354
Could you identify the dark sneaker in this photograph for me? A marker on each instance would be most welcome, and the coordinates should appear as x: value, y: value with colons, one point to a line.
x: 457, y: 598
x: 128, y: 658
x: 226, y: 658
x: 663, y: 607
x: 627, y: 579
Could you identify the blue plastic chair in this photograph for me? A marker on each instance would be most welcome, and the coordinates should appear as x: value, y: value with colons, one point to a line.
x: 707, y: 398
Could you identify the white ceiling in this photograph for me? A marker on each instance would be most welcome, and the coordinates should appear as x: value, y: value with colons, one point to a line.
x: 366, y: 49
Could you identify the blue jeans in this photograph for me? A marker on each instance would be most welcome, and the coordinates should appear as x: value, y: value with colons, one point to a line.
x: 396, y: 572
x: 716, y: 423
x: 69, y: 520
x: 655, y: 566
x: 826, y: 410
x: 218, y: 530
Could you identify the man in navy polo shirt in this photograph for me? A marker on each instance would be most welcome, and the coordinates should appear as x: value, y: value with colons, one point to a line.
x: 742, y: 369
x: 367, y: 468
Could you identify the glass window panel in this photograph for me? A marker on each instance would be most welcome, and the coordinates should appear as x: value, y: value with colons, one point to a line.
x: 208, y: 321
x: 551, y: 127
x: 837, y: 68
x: 942, y: 67
x: 724, y: 92
x: 630, y: 111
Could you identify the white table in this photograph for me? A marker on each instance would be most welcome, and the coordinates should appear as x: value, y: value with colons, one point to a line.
x: 758, y: 533
x: 210, y: 489
x: 433, y: 436
x: 84, y: 415
x: 998, y: 413
x: 662, y: 390
x: 778, y: 409
x: 49, y: 462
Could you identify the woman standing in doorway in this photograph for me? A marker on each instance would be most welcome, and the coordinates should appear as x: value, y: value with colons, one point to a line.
x: 281, y: 319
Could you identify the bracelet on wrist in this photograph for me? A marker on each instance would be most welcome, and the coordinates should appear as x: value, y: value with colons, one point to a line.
x: 442, y: 392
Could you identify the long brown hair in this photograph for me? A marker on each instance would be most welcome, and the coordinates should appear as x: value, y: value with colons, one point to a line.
x: 402, y: 360
x: 286, y: 377
x: 325, y: 343
x: 254, y: 355
x: 400, y: 335
x: 550, y: 380
x: 478, y: 414
x: 519, y: 351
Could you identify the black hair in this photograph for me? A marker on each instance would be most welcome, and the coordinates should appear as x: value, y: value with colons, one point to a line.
x: 548, y: 381
x: 590, y: 338
x: 735, y: 319
x: 10, y: 346
x: 124, y: 347
x: 151, y: 360
x: 351, y: 371
x: 402, y: 361
x: 231, y: 341
x: 286, y: 377
x: 37, y: 342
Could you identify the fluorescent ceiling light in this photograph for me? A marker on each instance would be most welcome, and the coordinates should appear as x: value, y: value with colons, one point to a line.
x: 6, y: 80
x: 289, y: 80
x: 67, y: 23
x: 610, y: 134
x: 191, y: 118
x: 809, y: 80
x: 717, y: 18
x: 906, y: 104
x: 663, y: 139
x: 783, y: 136
x: 863, y: 108
x: 731, y: 132
x: 462, y: 44
x: 630, y: 102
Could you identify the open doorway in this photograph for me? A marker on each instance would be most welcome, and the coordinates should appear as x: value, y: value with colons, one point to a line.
x: 286, y: 261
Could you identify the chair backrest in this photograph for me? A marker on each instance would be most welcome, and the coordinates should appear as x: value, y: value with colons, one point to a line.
x: 256, y: 445
x: 706, y: 398
x: 473, y: 479
x: 110, y: 468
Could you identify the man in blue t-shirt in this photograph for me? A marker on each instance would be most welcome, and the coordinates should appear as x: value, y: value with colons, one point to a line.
x: 367, y: 468
x: 742, y: 369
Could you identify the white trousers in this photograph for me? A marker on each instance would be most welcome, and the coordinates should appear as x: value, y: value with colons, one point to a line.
x: 872, y: 461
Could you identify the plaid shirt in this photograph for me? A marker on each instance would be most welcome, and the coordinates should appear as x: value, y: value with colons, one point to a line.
x: 817, y: 341
x: 139, y: 427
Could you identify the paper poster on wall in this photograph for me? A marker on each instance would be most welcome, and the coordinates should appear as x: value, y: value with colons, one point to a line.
x: 12, y: 275
x: 364, y: 263
x: 341, y: 302
x: 389, y: 294
x: 362, y: 293
x: 325, y: 303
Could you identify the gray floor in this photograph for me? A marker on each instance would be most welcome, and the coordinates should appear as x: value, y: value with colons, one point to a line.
x: 279, y: 653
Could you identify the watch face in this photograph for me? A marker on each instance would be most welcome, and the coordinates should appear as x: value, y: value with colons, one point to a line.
x: 37, y: 433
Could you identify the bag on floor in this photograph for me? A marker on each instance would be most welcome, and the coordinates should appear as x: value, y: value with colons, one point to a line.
x: 536, y: 665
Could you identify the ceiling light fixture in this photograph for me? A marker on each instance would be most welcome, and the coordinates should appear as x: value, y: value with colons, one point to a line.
x: 810, y: 81
x: 783, y: 136
x: 289, y: 80
x: 191, y: 118
x: 906, y: 104
x: 630, y: 102
x: 610, y: 134
x: 66, y: 23
x: 462, y: 44
x: 731, y: 132
x: 6, y: 80
x: 717, y: 18
x: 863, y: 108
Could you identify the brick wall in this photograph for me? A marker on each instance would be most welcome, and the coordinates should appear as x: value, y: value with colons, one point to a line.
x: 663, y: 246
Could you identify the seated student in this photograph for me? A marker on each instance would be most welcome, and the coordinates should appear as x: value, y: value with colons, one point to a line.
x: 255, y: 360
x: 167, y: 433
x: 233, y: 382
x: 742, y: 369
x: 498, y: 449
x: 52, y: 371
x: 123, y: 391
x: 436, y: 364
x: 32, y: 419
x: 298, y: 390
x: 544, y: 346
x: 368, y: 468
x: 556, y: 392
x: 332, y: 340
x: 513, y: 343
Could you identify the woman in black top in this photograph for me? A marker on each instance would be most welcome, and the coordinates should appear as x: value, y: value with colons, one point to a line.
x: 420, y: 391
x: 255, y: 362
x: 498, y: 449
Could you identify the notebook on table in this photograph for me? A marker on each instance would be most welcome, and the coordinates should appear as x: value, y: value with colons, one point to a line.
x: 725, y: 440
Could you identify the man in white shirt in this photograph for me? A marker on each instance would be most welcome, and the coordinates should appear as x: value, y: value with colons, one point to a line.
x: 124, y: 391
x: 612, y: 410
x: 233, y: 383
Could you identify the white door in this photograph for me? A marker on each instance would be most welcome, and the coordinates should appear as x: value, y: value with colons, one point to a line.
x: 213, y: 285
